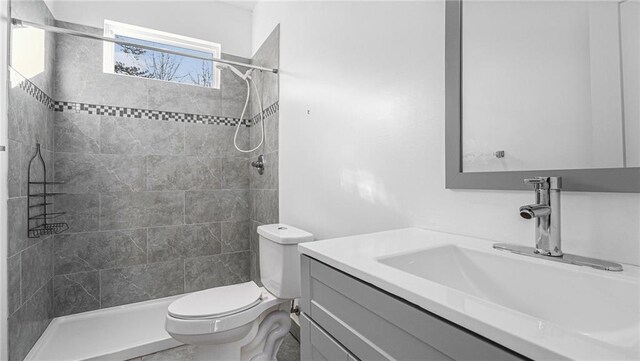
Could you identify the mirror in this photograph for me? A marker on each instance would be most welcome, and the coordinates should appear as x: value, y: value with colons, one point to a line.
x: 551, y: 84
x: 543, y: 88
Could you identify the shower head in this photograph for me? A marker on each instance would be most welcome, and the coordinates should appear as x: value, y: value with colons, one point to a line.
x: 235, y: 70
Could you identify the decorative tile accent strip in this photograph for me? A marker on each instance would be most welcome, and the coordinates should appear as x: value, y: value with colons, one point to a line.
x: 95, y: 109
x: 267, y: 112
x: 30, y: 88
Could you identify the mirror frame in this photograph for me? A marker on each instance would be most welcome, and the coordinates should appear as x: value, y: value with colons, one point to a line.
x: 625, y: 180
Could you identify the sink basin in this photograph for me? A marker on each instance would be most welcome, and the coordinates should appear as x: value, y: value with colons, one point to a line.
x: 538, y: 308
x: 596, y: 304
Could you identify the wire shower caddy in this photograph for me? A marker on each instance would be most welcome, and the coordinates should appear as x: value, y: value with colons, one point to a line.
x: 38, y: 214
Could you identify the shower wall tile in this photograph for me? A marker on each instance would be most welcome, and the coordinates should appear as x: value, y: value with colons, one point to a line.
x: 74, y: 293
x: 272, y: 131
x: 13, y: 283
x: 94, y: 251
x: 83, y: 173
x: 18, y: 112
x: 214, y: 271
x: 183, y: 173
x: 270, y: 143
x: 255, y: 252
x: 202, y: 139
x: 255, y: 271
x: 183, y: 98
x: 82, y: 211
x: 234, y: 94
x: 216, y: 206
x: 74, y: 132
x: 17, y: 225
x: 120, y: 135
x: 16, y: 176
x: 254, y: 236
x: 180, y: 242
x: 113, y: 86
x: 140, y: 283
x: 235, y: 173
x: 264, y: 205
x: 141, y: 209
x: 235, y: 236
x: 36, y: 267
x: 29, y: 322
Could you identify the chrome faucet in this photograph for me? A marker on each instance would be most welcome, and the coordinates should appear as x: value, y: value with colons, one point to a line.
x: 546, y: 212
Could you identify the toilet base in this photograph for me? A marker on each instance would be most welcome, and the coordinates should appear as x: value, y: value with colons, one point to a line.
x: 272, y: 330
x: 260, y: 344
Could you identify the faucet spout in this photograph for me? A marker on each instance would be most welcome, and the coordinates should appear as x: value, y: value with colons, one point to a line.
x: 534, y: 211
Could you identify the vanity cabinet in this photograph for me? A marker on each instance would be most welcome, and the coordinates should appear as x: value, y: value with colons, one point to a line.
x: 344, y: 318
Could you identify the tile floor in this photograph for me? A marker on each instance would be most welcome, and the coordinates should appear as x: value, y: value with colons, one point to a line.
x: 289, y: 351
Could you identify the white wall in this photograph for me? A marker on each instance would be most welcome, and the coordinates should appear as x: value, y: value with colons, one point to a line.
x: 207, y: 20
x: 370, y: 156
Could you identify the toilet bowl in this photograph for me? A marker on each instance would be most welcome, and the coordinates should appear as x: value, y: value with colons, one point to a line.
x: 244, y: 321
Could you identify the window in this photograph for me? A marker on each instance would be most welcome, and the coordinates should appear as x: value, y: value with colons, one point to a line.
x: 145, y: 63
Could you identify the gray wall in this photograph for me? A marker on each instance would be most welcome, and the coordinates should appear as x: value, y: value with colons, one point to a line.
x: 155, y: 208
x: 30, y: 263
x: 263, y: 189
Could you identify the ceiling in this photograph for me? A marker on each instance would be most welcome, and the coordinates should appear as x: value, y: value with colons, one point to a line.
x: 244, y: 4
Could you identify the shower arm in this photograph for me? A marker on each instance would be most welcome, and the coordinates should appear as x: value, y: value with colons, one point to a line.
x: 55, y: 29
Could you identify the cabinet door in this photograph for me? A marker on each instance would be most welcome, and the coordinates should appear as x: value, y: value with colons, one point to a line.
x: 374, y: 325
x: 317, y: 345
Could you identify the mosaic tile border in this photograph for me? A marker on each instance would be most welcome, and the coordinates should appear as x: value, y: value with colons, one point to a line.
x: 125, y: 112
x: 31, y: 89
x: 267, y: 112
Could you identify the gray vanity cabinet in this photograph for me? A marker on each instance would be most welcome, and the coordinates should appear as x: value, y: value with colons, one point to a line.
x: 344, y: 318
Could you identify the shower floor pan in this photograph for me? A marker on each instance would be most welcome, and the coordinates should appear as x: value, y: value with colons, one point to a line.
x: 116, y: 333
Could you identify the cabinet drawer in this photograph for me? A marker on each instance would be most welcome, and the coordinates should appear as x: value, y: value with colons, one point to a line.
x: 317, y: 345
x: 374, y: 325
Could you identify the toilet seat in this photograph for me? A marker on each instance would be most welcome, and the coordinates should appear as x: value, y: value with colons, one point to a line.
x: 217, y: 302
x: 180, y: 326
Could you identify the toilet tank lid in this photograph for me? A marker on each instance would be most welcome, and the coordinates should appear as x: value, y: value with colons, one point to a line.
x: 284, y: 234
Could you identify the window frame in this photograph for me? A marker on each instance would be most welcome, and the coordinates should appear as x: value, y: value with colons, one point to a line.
x: 113, y: 28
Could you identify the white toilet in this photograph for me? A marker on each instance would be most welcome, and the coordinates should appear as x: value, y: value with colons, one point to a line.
x: 244, y: 321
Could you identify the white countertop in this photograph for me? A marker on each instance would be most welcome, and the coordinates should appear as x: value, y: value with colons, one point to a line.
x: 522, y: 333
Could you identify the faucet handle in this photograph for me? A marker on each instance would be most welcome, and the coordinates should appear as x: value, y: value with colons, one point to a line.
x: 538, y: 182
x: 545, y: 182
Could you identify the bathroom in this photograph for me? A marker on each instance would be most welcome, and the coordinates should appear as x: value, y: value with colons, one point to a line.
x: 269, y: 171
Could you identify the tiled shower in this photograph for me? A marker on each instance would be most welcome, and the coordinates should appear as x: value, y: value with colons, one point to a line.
x: 157, y: 200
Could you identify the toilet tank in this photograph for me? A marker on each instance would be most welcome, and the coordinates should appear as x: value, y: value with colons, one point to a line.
x: 280, y: 260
